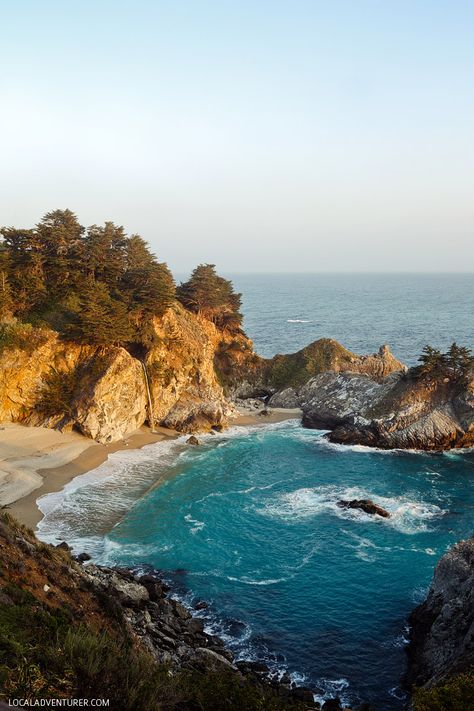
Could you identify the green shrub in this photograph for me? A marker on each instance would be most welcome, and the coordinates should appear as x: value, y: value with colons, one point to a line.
x: 23, y: 336
x: 453, y: 694
x: 57, y: 392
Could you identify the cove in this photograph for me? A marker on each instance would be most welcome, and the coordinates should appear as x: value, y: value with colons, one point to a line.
x: 249, y: 522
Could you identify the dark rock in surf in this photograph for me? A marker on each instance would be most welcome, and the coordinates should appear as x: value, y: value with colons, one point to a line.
x: 193, y: 440
x: 366, y: 505
x: 302, y: 693
x: 332, y: 705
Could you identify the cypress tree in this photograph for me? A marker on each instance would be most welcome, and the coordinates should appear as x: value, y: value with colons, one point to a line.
x: 212, y: 296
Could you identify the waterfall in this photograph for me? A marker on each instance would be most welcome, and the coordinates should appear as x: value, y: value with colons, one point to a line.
x: 151, y: 414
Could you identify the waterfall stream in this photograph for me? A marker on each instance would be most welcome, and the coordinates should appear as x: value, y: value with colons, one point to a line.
x: 151, y: 414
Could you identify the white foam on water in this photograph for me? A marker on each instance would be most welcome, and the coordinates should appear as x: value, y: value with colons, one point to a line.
x: 100, y: 497
x: 298, y: 320
x: 331, y: 688
x: 419, y: 595
x: 103, y: 495
x: 364, y: 449
x: 397, y: 693
x: 250, y: 581
x: 196, y: 525
x: 400, y: 640
x: 237, y: 492
x: 406, y: 516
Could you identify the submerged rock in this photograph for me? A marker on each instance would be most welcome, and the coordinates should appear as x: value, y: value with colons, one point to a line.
x: 366, y: 505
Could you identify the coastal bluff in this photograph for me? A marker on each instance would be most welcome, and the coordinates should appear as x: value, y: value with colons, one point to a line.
x: 402, y: 410
x: 186, y: 380
x: 106, y: 392
x: 441, y: 648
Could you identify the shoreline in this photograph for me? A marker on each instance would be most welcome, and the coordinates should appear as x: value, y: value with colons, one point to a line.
x: 35, y: 461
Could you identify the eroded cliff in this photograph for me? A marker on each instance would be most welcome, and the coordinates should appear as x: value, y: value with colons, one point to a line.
x: 441, y: 649
x: 101, y: 391
x: 193, y: 369
x: 409, y: 413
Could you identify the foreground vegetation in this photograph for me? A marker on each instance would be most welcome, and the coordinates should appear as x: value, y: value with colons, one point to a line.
x: 60, y: 639
x: 453, y: 694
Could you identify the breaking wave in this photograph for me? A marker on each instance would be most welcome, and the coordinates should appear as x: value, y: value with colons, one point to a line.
x: 405, y: 515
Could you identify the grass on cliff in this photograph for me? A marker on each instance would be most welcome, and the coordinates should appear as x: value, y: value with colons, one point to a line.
x: 296, y: 369
x: 453, y: 694
x: 65, y: 642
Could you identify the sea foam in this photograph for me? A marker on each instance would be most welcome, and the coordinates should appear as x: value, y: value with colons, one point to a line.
x: 405, y: 515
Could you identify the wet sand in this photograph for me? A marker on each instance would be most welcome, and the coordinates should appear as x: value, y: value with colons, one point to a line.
x: 35, y: 461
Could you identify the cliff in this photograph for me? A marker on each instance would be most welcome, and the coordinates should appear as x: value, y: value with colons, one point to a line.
x: 74, y: 632
x: 409, y: 413
x: 251, y: 376
x: 101, y: 391
x: 295, y: 369
x: 441, y: 649
x: 399, y: 411
x: 191, y: 370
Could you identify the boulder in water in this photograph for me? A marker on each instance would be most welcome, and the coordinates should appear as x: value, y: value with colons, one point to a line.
x: 366, y: 505
x: 193, y: 440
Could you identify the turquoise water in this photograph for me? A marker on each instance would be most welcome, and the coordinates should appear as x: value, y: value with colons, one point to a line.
x: 249, y: 521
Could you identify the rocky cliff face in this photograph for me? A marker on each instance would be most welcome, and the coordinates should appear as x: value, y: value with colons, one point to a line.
x: 294, y: 370
x: 442, y: 627
x: 283, y: 376
x: 102, y: 392
x: 193, y: 371
x: 413, y: 414
x: 398, y: 412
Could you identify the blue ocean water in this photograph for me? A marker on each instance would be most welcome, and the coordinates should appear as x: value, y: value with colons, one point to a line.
x: 249, y: 521
x: 284, y: 312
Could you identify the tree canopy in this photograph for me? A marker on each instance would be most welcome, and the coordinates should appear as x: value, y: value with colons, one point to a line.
x: 456, y: 363
x: 96, y: 285
x: 212, y: 296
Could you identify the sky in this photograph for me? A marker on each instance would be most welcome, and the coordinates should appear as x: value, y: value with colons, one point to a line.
x: 262, y: 136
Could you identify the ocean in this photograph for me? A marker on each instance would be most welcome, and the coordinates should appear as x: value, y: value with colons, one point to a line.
x: 249, y: 521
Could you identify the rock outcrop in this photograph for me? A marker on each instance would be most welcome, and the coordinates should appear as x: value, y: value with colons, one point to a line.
x: 296, y: 373
x: 366, y: 505
x: 402, y: 411
x: 442, y: 627
x: 334, y: 399
x: 287, y: 374
x: 414, y: 414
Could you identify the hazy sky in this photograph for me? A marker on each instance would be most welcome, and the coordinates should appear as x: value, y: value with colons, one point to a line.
x: 262, y: 136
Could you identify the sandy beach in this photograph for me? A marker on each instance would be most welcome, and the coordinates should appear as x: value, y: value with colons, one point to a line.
x: 35, y: 461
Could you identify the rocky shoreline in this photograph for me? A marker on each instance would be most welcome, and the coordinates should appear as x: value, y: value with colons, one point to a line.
x: 442, y: 627
x: 175, y: 636
x: 400, y: 411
